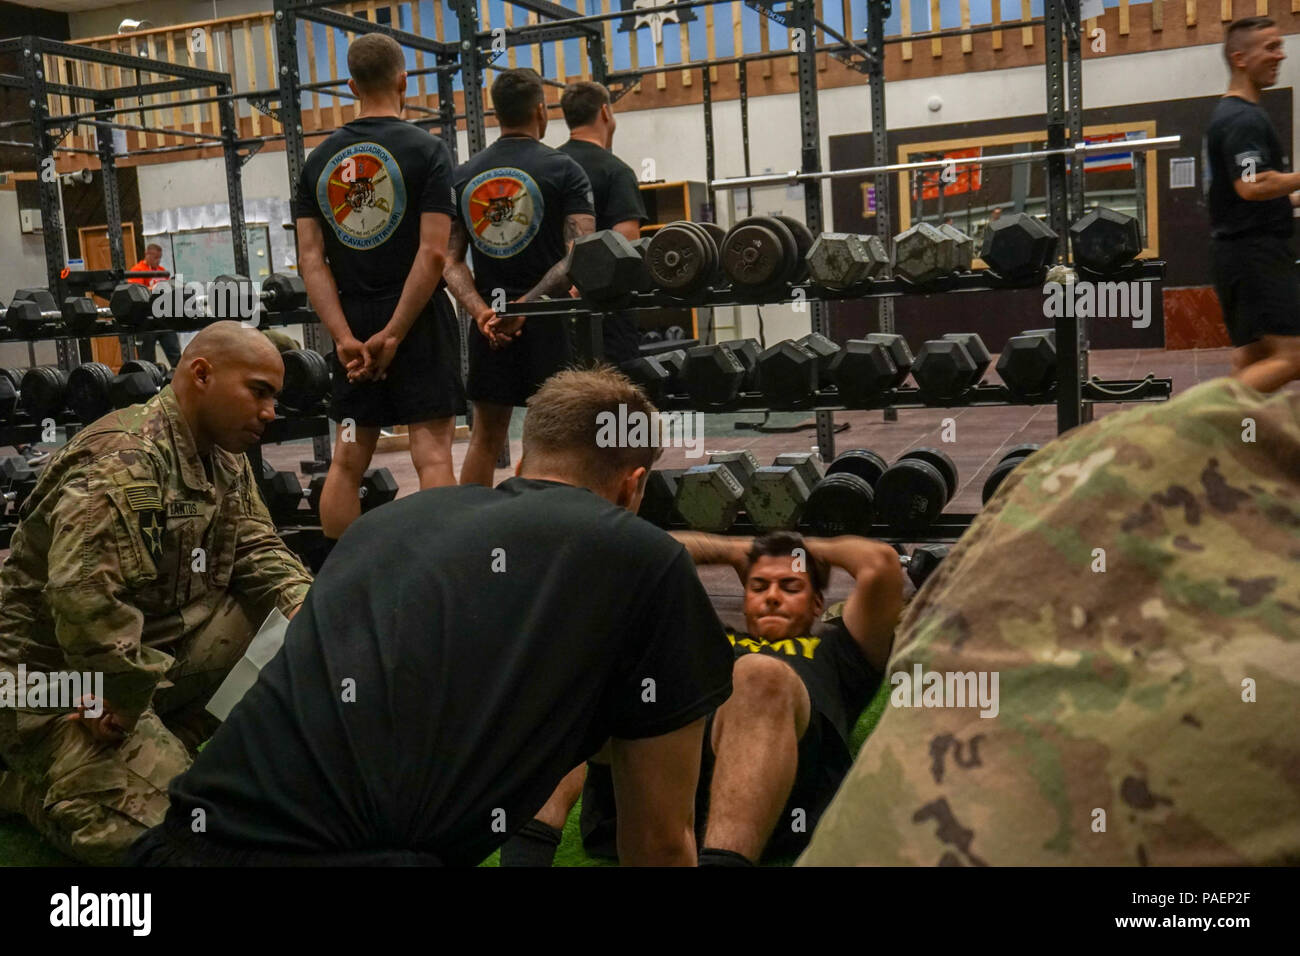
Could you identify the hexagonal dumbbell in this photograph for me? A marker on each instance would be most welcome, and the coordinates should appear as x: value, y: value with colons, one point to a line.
x: 132, y: 305
x: 963, y: 247
x: 284, y: 292
x: 1018, y: 246
x: 709, y: 496
x: 787, y: 374
x: 777, y: 494
x: 979, y: 352
x: 862, y: 372
x: 943, y: 369
x: 82, y: 316
x: 659, y: 502
x: 843, y: 262
x: 605, y: 267
x: 825, y: 350
x: 747, y: 351
x: 923, y: 254
x: 1105, y: 240
x: 713, y: 374
x: 648, y: 372
x: 1028, y: 363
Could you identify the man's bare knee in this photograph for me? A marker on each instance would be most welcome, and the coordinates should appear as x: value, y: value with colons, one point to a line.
x: 764, y: 681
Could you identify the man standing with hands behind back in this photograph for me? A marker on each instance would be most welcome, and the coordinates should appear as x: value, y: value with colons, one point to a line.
x: 1250, y: 199
x: 590, y: 117
x: 373, y: 209
x: 521, y: 206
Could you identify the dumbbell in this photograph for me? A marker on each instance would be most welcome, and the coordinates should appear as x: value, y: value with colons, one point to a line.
x: 865, y: 369
x: 845, y: 263
x: 17, y: 479
x: 132, y: 305
x: 89, y: 390
x: 948, y: 367
x: 1018, y: 246
x: 9, y: 381
x: 648, y: 372
x: 844, y: 502
x: 1027, y: 364
x: 43, y: 392
x: 762, y: 254
x: 924, y: 254
x: 777, y: 494
x: 914, y: 490
x: 747, y: 351
x: 1104, y: 241
x: 606, y: 268
x: 787, y: 374
x: 925, y: 558
x: 234, y: 297
x: 963, y: 244
x: 26, y: 318
x: 712, y: 374
x: 682, y: 258
x: 81, y: 316
x: 282, y: 493
x: 378, y: 487
x: 136, y: 382
x: 1005, y: 466
x: 659, y: 501
x: 306, y: 380
x: 709, y: 496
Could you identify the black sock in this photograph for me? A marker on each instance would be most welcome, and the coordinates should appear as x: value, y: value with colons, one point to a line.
x: 711, y: 856
x: 534, y: 845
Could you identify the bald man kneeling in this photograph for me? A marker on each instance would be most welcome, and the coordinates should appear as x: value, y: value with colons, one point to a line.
x: 143, y: 563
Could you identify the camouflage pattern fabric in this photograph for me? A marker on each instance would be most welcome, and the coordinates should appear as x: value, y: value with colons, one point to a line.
x: 1147, y: 712
x: 130, y: 561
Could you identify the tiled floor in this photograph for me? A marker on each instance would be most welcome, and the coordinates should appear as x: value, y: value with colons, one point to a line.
x: 982, y: 434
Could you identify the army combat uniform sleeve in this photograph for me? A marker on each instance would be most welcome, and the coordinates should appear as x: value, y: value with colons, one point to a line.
x: 265, y: 568
x: 97, y: 558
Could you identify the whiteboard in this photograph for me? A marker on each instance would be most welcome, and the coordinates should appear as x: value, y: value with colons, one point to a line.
x: 203, y: 254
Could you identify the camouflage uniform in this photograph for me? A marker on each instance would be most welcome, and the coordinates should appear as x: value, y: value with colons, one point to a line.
x: 1120, y: 691
x: 131, y: 562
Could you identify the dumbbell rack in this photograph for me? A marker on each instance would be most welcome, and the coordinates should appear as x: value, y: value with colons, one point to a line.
x: 105, y: 328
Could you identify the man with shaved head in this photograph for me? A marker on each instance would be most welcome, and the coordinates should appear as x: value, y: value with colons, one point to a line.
x: 143, y: 561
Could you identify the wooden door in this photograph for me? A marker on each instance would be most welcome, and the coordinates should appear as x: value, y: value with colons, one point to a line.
x: 95, y: 252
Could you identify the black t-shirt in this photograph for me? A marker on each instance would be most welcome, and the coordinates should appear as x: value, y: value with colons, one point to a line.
x: 513, y: 198
x: 613, y: 184
x: 1241, y: 138
x: 840, y: 682
x: 369, y: 183
x: 460, y: 652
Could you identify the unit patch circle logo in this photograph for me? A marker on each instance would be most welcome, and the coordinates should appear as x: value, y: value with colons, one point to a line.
x: 362, y: 187
x: 504, y: 208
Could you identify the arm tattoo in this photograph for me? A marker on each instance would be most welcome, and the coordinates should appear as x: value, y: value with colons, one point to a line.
x: 456, y: 272
x: 556, y: 280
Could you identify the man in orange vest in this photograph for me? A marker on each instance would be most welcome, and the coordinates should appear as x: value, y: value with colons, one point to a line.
x: 171, y: 343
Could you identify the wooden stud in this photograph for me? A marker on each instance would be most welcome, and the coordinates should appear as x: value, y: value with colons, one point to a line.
x: 997, y: 18
x: 764, y: 44
x: 684, y: 31
x: 1261, y: 8
x: 154, y: 100
x: 737, y: 34
x: 936, y: 45
x: 711, y: 46
x: 330, y: 51
x: 821, y: 57
x: 311, y: 70
x: 1123, y: 18
x: 905, y: 28
x: 251, y: 78
x: 1191, y: 13
x: 604, y: 7
x: 1157, y: 16
x: 272, y: 78
x: 966, y: 45
x: 1027, y: 33
x: 1225, y: 10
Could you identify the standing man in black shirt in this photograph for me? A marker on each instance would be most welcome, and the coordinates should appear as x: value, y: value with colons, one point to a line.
x: 374, y: 208
x: 590, y: 118
x: 777, y: 751
x: 521, y: 205
x: 462, y: 649
x: 1251, y: 195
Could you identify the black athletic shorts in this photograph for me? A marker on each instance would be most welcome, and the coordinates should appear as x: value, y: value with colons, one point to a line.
x: 510, y: 375
x: 621, y: 337
x: 824, y: 761
x: 1255, y: 278
x: 424, y: 378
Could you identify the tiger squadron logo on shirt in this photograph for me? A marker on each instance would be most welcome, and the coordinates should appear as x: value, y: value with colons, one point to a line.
x: 362, y: 190
x: 504, y: 209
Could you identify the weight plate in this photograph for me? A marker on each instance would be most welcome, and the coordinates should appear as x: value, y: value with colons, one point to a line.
x: 678, y: 259
x: 792, y: 258
x: 863, y: 462
x: 940, y: 461
x: 910, y: 495
x: 839, y: 504
x: 803, y: 240
x: 997, y: 476
x: 754, y: 255
x: 1019, y: 452
x: 88, y: 391
x: 717, y: 234
x: 710, y: 248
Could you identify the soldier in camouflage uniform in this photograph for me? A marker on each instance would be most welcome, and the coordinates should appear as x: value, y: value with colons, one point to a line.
x: 1147, y: 711
x: 144, y: 553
